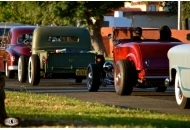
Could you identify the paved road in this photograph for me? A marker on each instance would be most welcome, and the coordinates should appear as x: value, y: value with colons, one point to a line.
x: 140, y: 99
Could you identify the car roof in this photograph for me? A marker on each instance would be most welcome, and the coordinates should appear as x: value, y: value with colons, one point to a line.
x: 41, y: 35
x: 22, y: 27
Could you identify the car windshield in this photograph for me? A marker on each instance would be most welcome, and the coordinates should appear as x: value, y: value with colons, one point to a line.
x: 25, y: 38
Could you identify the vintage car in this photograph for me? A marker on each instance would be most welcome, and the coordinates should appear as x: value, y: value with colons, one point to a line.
x: 61, y: 52
x: 18, y: 46
x: 4, y: 29
x: 179, y: 71
x: 142, y: 64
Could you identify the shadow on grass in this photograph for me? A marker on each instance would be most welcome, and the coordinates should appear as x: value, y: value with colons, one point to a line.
x: 89, y: 121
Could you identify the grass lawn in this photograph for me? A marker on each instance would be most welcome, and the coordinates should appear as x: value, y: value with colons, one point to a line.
x: 43, y: 110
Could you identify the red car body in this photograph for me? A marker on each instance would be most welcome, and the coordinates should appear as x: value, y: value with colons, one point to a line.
x: 14, y: 49
x: 150, y: 60
x: 143, y: 64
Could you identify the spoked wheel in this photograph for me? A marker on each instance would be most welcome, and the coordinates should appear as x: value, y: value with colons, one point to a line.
x: 34, y: 70
x: 125, y: 77
x: 181, y: 100
x: 22, y: 69
x: 9, y: 73
x: 93, y: 78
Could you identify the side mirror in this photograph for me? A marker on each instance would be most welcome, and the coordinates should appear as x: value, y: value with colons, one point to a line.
x: 188, y: 36
x: 109, y: 36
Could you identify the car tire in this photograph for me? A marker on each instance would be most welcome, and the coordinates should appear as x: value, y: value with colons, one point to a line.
x: 34, y: 70
x: 93, y: 78
x: 181, y: 100
x: 22, y: 69
x: 125, y: 77
x: 9, y: 73
x: 78, y: 80
x: 160, y: 89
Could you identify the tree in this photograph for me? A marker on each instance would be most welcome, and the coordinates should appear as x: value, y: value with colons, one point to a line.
x: 173, y: 8
x: 90, y: 11
x: 62, y: 13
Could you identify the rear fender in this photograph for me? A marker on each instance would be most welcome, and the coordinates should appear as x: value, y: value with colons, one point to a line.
x: 137, y: 62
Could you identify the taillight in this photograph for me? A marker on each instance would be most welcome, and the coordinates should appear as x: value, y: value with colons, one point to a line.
x: 12, y: 58
x: 44, y: 60
x: 98, y: 60
x: 142, y: 74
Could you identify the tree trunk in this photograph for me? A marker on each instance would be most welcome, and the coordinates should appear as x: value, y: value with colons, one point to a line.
x: 96, y: 37
x: 185, y: 24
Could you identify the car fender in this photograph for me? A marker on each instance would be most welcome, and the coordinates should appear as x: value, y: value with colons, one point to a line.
x: 179, y: 69
x: 135, y: 56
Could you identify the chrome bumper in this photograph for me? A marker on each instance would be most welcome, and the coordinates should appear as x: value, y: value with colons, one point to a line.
x: 12, y: 67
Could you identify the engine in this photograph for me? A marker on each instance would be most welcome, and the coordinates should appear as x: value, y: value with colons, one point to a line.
x: 108, y: 68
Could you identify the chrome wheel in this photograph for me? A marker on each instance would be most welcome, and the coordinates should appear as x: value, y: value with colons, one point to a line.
x: 178, y: 92
x: 19, y: 69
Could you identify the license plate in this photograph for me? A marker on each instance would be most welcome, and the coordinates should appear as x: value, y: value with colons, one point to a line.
x: 81, y: 72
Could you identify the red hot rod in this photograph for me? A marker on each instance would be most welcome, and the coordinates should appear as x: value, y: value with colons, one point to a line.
x: 19, y: 45
x: 142, y: 64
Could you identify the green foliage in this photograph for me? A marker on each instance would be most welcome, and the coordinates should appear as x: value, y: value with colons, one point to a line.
x: 186, y: 8
x: 173, y: 8
x: 60, y: 12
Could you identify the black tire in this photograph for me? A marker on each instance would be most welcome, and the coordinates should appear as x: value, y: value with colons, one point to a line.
x: 125, y: 77
x: 160, y: 89
x: 93, y: 78
x: 181, y: 100
x: 9, y: 73
x: 34, y: 70
x: 78, y: 80
x: 22, y: 69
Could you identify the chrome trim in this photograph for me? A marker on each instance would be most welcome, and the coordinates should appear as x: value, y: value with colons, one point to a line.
x: 156, y: 77
x: 12, y: 67
x: 167, y: 82
x: 147, y: 62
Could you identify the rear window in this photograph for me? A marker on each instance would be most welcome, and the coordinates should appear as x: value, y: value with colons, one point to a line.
x: 25, y: 37
x: 4, y: 31
x: 63, y: 39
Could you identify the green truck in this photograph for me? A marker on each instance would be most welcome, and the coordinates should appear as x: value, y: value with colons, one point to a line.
x: 61, y: 52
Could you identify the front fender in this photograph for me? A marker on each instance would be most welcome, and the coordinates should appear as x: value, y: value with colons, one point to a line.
x: 183, y: 73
